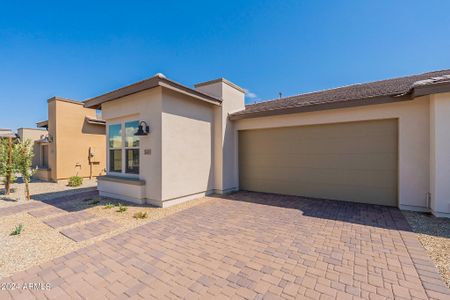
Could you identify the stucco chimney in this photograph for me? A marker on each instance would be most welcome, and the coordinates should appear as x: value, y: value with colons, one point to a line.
x: 226, y: 175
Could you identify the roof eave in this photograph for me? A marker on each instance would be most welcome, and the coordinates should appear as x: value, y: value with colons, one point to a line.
x: 429, y: 89
x: 199, y: 96
x: 320, y: 107
x: 42, y: 124
x: 146, y: 85
x: 95, y: 121
x: 417, y: 91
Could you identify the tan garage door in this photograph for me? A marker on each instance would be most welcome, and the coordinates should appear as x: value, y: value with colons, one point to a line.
x: 354, y: 161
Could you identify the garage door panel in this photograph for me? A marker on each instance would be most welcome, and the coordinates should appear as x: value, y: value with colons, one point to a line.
x: 375, y: 161
x: 374, y: 178
x: 353, y: 193
x: 351, y: 161
x: 291, y: 145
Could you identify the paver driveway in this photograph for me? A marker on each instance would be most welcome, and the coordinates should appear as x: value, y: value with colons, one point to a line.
x: 285, y: 247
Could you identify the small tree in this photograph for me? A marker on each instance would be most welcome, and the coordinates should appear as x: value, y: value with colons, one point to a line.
x: 8, y: 157
x: 24, y: 164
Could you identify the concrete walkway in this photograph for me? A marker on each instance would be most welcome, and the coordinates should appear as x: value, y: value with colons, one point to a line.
x: 249, y: 246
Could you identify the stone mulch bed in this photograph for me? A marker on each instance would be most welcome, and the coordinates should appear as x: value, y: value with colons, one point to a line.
x: 39, y: 242
x: 434, y: 234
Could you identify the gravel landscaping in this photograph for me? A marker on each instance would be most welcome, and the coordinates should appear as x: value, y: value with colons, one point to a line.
x: 39, y: 243
x: 434, y: 234
x: 42, y: 190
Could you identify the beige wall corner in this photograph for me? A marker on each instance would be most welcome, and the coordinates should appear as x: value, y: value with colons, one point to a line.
x: 440, y: 154
x: 187, y: 146
x: 34, y: 135
x: 73, y: 139
x: 225, y: 135
x: 52, y: 130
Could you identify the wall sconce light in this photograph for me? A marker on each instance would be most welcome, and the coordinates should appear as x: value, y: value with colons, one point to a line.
x: 143, y: 129
x: 49, y: 138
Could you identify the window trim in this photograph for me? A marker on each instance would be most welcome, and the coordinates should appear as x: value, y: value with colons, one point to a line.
x: 109, y: 150
x: 123, y: 149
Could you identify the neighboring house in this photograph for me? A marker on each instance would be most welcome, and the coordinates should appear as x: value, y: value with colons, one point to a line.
x: 7, y: 133
x: 36, y: 136
x: 75, y: 144
x: 385, y: 142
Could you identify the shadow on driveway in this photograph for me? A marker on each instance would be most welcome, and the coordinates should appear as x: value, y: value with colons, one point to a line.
x: 350, y: 212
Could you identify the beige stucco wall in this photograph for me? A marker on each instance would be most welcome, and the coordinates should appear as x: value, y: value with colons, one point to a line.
x: 122, y: 191
x: 72, y: 138
x: 225, y: 136
x: 33, y: 134
x: 52, y: 134
x: 187, y: 143
x: 187, y: 146
x: 144, y: 106
x: 440, y: 154
x: 414, y: 138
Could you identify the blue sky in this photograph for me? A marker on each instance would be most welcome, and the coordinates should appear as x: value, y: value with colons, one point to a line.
x: 80, y: 49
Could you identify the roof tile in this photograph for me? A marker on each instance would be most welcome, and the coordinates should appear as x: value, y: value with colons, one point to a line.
x: 390, y: 87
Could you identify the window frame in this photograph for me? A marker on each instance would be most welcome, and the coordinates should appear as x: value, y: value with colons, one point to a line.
x: 120, y: 148
x: 123, y: 149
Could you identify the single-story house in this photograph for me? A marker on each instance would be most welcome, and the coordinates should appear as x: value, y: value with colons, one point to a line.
x: 385, y: 142
x: 75, y: 144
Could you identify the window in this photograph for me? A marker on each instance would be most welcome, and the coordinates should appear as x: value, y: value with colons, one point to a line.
x: 123, y: 148
x: 131, y: 148
x: 115, y: 148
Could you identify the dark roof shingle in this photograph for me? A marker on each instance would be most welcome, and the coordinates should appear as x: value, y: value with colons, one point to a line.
x: 342, y: 96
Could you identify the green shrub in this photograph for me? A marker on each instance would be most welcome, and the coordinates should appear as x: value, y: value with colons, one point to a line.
x: 17, y: 230
x: 108, y: 206
x: 121, y: 208
x: 75, y: 181
x: 140, y: 215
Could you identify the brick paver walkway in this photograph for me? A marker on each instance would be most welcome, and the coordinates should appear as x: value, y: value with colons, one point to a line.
x: 11, y: 210
x: 46, y: 212
x: 69, y: 219
x: 281, y: 247
x: 84, y: 232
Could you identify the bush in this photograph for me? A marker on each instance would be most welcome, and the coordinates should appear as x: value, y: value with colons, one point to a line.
x: 75, y: 181
x: 121, y: 208
x: 17, y: 230
x: 140, y: 215
x: 108, y: 206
